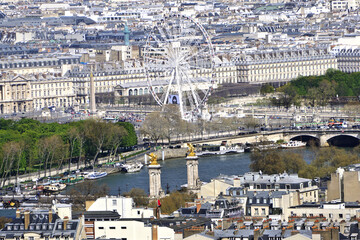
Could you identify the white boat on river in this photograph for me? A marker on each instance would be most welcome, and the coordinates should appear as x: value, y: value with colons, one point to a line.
x: 222, y: 150
x: 96, y: 175
x: 293, y: 144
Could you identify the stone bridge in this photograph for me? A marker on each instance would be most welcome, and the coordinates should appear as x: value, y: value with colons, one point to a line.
x: 325, y: 137
x: 320, y: 137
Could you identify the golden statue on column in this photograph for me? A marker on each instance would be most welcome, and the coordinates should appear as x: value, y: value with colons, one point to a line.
x: 153, y: 159
x: 191, y: 150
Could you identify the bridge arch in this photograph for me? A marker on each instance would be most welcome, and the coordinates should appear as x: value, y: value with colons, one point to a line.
x: 309, y: 139
x: 343, y: 140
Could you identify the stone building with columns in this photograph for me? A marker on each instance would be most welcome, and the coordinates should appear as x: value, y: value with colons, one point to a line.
x: 284, y: 65
x: 24, y: 93
x: 15, y: 94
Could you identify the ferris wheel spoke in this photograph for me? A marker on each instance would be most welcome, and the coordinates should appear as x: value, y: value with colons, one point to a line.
x: 156, y: 59
x: 196, y: 83
x: 169, y: 86
x: 164, y: 34
x: 191, y: 101
x: 190, y: 84
x: 197, y: 53
x: 168, y: 31
x: 158, y: 41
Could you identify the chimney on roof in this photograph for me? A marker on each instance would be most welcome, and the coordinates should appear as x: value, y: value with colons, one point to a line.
x: 50, y: 215
x: 237, y: 182
x: 257, y: 234
x: 198, y: 206
x: 27, y: 219
x: 65, y: 222
x: 154, y: 231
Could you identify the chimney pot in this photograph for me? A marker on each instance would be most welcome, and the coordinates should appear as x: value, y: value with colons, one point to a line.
x: 50, y: 216
x: 198, y: 206
x: 65, y: 221
x: 27, y: 219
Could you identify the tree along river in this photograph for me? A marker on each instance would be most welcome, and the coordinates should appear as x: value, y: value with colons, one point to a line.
x: 173, y: 171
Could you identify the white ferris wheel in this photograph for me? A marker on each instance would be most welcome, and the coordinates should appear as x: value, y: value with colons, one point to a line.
x: 179, y: 64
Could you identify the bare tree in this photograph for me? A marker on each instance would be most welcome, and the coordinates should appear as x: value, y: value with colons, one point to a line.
x: 51, y: 149
x: 10, y: 152
x: 72, y: 138
x: 81, y: 138
x: 98, y: 132
x: 250, y: 122
x: 21, y: 148
x: 171, y: 121
x: 89, y: 190
x: 116, y: 138
x: 153, y: 126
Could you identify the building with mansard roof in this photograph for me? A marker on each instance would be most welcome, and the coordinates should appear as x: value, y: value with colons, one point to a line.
x: 283, y: 66
x: 42, y: 225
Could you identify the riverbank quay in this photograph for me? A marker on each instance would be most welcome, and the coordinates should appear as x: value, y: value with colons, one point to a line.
x: 31, y: 177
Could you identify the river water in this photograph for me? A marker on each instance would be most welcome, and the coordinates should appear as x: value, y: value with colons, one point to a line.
x: 173, y: 172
